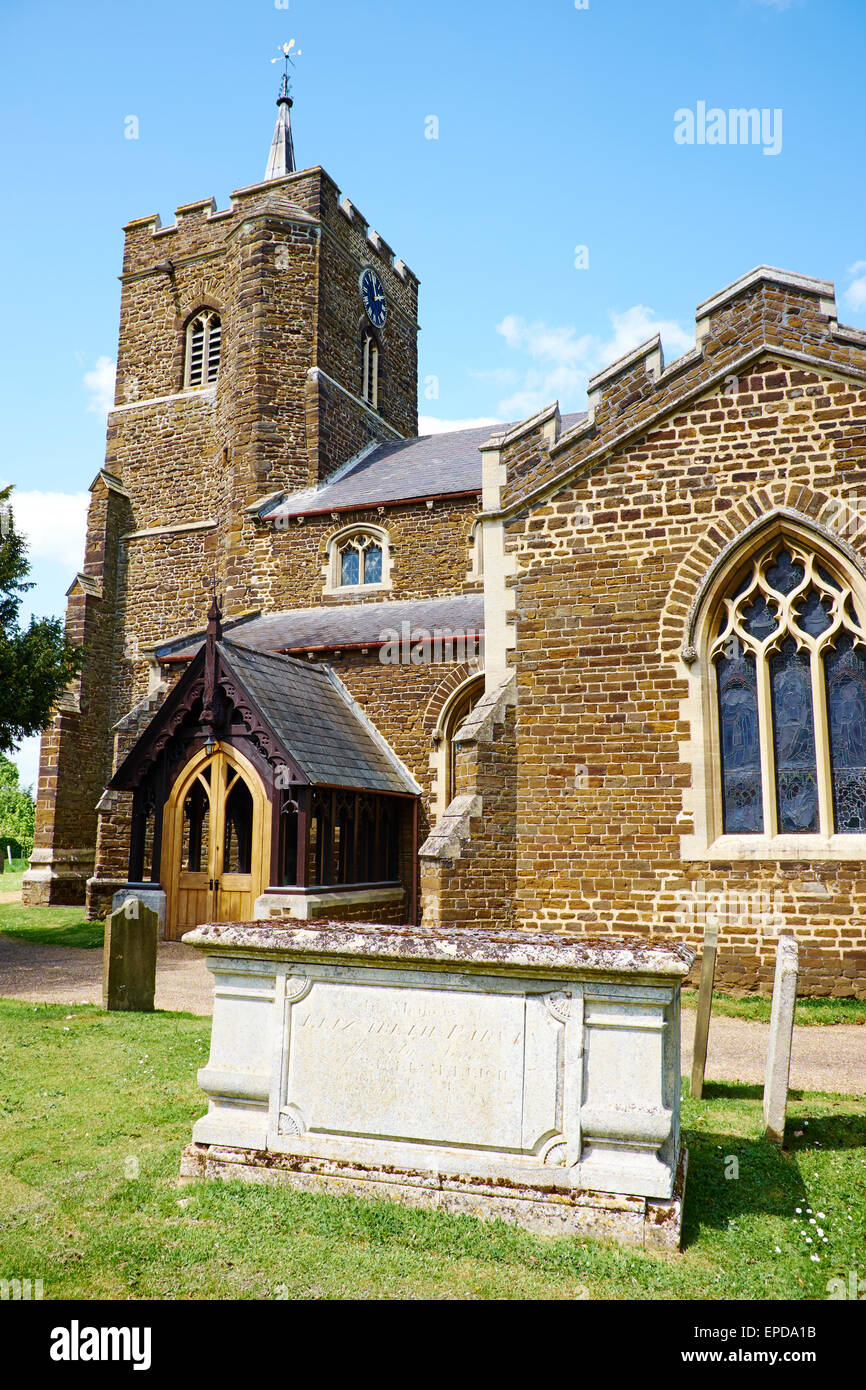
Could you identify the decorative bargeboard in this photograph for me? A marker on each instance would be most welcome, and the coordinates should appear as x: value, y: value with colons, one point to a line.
x: 531, y: 1077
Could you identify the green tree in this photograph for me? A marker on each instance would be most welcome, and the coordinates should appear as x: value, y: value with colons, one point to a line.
x: 36, y: 662
x: 17, y: 809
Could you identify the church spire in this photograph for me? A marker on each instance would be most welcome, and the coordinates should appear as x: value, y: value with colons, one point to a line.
x: 282, y: 157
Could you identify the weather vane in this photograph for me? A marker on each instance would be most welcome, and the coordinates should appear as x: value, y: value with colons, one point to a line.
x: 286, y: 56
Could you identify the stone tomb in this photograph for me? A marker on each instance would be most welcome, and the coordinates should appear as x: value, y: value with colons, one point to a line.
x: 531, y: 1077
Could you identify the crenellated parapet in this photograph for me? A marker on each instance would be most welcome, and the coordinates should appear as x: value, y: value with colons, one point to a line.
x: 766, y: 310
x: 200, y: 228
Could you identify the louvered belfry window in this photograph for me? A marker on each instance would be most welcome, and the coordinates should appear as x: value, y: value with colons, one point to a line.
x: 370, y: 370
x: 203, y: 342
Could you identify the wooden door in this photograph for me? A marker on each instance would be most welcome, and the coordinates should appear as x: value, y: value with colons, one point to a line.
x: 217, y: 850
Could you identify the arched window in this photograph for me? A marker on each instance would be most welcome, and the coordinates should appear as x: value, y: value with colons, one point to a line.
x: 370, y: 369
x: 203, y: 342
x: 452, y: 719
x: 476, y: 569
x: 358, y: 559
x: 786, y: 648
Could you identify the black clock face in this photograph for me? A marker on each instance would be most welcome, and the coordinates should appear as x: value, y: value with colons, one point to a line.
x: 373, y: 296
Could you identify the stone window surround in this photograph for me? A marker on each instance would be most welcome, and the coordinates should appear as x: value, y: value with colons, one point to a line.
x: 370, y: 359
x: 442, y: 736
x: 211, y: 311
x: 707, y: 842
x: 331, y: 568
x: 476, y: 542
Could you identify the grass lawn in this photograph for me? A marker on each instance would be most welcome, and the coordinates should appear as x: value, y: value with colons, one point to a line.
x: 49, y: 926
x: 95, y: 1107
x: 757, y: 1007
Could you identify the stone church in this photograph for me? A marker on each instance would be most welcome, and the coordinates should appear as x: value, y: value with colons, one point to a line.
x: 604, y: 672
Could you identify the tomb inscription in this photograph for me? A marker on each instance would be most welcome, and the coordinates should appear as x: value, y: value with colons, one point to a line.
x: 443, y: 1067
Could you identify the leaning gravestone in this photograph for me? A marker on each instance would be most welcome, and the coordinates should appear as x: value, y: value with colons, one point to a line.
x: 778, y: 1069
x: 705, y: 1007
x: 129, y: 958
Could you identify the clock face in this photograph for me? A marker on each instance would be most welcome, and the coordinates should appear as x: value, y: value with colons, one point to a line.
x: 373, y: 296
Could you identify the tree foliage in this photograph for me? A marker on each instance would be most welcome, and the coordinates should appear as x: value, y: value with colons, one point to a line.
x: 17, y: 811
x: 36, y: 662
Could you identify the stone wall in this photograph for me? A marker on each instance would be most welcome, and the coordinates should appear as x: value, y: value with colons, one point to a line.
x: 467, y: 863
x: 75, y: 757
x: 281, y: 265
x: 609, y: 564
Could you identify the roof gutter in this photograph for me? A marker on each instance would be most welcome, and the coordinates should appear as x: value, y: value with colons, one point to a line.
x: 370, y: 506
x: 329, y: 647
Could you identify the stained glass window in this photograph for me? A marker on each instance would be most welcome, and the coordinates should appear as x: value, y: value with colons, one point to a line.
x: 741, y: 749
x: 845, y: 672
x: 794, y: 739
x: 790, y: 662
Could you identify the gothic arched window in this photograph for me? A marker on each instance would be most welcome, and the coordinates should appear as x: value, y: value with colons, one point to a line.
x: 370, y: 369
x: 454, y: 717
x: 358, y: 558
x: 203, y: 343
x: 787, y: 646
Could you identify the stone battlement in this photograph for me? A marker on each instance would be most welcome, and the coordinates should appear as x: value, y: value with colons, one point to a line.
x: 306, y: 196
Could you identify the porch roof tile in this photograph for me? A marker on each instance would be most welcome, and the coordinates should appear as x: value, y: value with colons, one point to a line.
x: 318, y: 723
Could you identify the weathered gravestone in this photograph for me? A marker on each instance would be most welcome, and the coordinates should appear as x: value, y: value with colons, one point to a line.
x: 148, y: 893
x: 129, y: 958
x: 778, y: 1068
x: 530, y: 1077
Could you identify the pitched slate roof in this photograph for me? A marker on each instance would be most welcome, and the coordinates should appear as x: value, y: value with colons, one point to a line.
x: 434, y: 465
x: 317, y: 721
x: 343, y: 625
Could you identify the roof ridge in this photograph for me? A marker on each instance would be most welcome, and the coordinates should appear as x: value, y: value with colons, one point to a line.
x: 359, y: 607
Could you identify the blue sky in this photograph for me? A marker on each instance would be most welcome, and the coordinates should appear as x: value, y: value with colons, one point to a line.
x: 555, y: 131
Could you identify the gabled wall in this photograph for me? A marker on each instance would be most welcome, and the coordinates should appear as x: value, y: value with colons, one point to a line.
x: 609, y: 535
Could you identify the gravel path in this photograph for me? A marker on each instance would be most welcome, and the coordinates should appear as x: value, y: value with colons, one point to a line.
x: 826, y: 1058
x: 70, y: 975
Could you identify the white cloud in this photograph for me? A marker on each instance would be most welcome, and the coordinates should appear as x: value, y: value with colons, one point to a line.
x: 429, y: 424
x: 100, y: 383
x: 855, y: 294
x: 635, y: 326
x: 54, y: 524
x: 563, y: 362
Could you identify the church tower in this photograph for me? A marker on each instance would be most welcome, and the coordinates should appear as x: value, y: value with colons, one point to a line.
x: 261, y: 347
